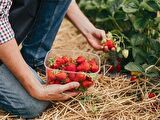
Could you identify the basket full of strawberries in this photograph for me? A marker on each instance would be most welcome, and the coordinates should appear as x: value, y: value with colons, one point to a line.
x: 65, y: 66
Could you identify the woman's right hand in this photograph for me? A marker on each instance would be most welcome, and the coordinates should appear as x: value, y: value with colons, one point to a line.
x: 57, y: 92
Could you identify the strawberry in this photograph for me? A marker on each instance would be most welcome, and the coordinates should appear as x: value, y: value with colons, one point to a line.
x: 80, y: 59
x: 110, y: 44
x: 111, y: 69
x: 87, y: 84
x: 94, y: 68
x: 57, y: 82
x: 61, y: 76
x: 50, y: 76
x: 84, y: 67
x: 80, y: 77
x: 118, y: 68
x: 125, y: 53
x: 56, y: 66
x: 65, y: 58
x: 71, y: 67
x: 60, y: 61
x: 51, y: 82
x: 151, y: 95
x: 92, y: 61
x: 93, y: 65
x: 68, y: 80
x: 113, y: 48
x: 133, y: 78
x: 71, y: 76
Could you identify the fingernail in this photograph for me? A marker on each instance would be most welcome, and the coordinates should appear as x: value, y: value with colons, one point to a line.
x: 76, y: 84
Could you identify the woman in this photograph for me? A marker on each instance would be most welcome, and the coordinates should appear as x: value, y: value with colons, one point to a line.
x: 34, y: 24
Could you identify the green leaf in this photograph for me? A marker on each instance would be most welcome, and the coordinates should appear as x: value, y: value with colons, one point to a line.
x: 120, y: 15
x: 130, y: 6
x: 140, y: 23
x: 114, y: 5
x: 138, y: 39
x: 157, y: 19
x: 134, y: 67
x: 152, y: 71
x: 152, y: 74
x: 140, y: 57
x: 51, y: 61
x: 150, y: 5
x: 155, y: 45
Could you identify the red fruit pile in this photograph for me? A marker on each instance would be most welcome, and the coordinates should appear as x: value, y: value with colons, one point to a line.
x: 71, y: 70
x: 80, y: 64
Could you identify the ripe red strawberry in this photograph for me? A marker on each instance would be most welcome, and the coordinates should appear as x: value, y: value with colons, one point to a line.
x: 57, y: 82
x: 71, y: 76
x: 93, y: 61
x: 80, y: 59
x: 60, y: 61
x: 71, y: 67
x: 84, y: 67
x: 133, y: 79
x: 50, y: 76
x: 87, y: 84
x: 51, y: 82
x: 65, y: 58
x: 110, y: 44
x: 68, y: 80
x: 111, y: 69
x: 94, y: 68
x: 56, y: 66
x: 80, y: 77
x: 118, y: 68
x: 151, y: 95
x: 61, y: 76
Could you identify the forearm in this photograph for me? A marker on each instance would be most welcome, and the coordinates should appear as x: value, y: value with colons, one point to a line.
x: 79, y: 19
x: 11, y: 57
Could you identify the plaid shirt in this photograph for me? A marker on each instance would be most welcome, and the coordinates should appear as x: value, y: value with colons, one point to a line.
x: 6, y: 32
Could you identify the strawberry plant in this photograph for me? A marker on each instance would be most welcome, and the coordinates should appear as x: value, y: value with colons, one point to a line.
x: 135, y: 26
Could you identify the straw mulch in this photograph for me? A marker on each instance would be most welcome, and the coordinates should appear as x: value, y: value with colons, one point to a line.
x: 111, y: 98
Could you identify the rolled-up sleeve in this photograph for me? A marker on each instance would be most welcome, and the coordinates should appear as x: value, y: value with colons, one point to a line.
x: 6, y: 31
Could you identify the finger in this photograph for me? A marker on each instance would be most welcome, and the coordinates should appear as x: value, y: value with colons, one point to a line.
x: 103, y: 33
x: 69, y: 95
x: 113, y: 49
x: 66, y: 96
x: 105, y: 49
x: 96, y: 45
x: 69, y: 86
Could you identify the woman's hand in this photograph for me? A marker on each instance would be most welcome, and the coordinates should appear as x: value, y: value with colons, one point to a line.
x: 57, y: 92
x: 94, y: 38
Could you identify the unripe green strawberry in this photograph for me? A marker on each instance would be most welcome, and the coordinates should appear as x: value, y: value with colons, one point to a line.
x: 125, y: 53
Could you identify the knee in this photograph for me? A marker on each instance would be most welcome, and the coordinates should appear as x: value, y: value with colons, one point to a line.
x: 33, y: 110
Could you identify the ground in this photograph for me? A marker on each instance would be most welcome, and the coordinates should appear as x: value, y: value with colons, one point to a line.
x: 109, y: 99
